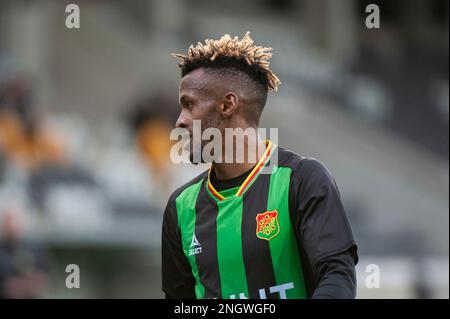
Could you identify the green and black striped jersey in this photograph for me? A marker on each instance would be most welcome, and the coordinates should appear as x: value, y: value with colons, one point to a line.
x: 261, y: 239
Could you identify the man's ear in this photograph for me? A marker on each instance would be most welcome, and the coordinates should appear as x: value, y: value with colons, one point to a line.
x: 229, y: 104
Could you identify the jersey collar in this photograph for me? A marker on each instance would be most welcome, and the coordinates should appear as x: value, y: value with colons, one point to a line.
x: 270, y: 147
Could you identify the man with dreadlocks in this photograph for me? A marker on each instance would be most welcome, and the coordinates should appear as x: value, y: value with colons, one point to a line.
x: 234, y: 232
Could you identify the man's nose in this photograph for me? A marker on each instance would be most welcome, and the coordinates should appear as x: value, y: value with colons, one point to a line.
x: 182, y: 121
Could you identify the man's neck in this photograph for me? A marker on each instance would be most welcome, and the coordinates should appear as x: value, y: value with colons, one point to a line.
x: 224, y: 171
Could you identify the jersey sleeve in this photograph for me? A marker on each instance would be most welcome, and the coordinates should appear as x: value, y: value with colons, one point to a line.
x: 319, y: 214
x: 177, y: 278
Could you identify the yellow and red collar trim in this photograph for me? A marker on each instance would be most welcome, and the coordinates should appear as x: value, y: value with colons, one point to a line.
x: 250, y: 178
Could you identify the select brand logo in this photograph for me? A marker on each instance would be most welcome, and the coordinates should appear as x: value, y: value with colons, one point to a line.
x: 195, y: 247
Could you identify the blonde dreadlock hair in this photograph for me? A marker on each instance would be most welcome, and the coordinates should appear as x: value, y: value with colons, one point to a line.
x: 230, y: 52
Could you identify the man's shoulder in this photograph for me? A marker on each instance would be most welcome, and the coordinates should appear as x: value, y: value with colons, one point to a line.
x: 185, y: 186
x: 306, y: 166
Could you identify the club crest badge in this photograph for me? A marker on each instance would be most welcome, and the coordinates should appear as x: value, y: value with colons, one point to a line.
x: 267, y: 226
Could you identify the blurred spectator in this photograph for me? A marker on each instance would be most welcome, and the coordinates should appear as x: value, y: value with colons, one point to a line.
x: 152, y: 119
x: 24, y: 139
x: 23, y: 266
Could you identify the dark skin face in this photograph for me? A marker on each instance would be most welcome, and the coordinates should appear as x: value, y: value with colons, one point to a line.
x: 203, y: 97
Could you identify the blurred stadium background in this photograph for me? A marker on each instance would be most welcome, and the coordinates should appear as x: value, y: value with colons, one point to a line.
x: 85, y: 115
